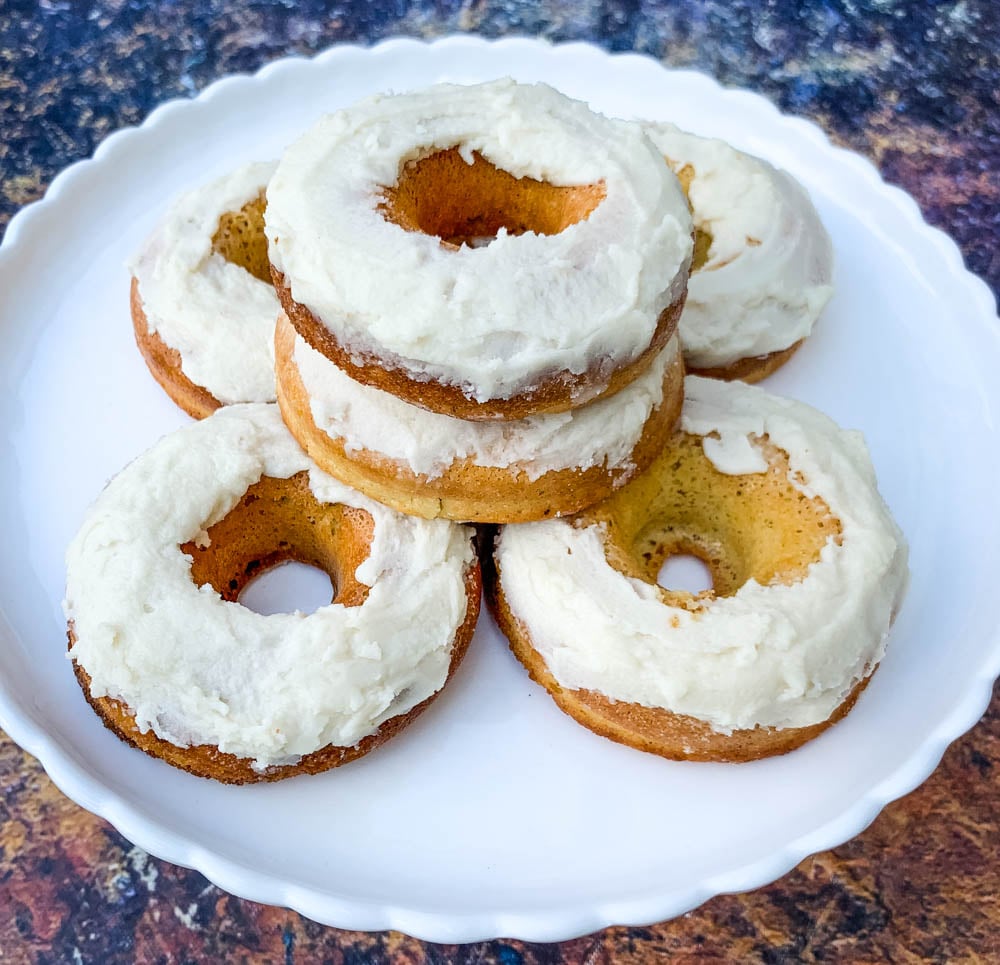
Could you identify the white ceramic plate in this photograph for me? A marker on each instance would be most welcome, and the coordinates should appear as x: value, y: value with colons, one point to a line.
x: 495, y: 814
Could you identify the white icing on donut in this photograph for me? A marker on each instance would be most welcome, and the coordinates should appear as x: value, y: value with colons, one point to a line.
x: 199, y: 670
x: 218, y: 316
x: 603, y: 433
x: 498, y: 319
x: 770, y: 264
x: 777, y: 656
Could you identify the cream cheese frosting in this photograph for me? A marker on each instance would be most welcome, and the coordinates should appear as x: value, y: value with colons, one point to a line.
x: 199, y: 670
x: 775, y: 656
x: 603, y: 433
x: 218, y: 316
x: 494, y: 320
x: 770, y: 264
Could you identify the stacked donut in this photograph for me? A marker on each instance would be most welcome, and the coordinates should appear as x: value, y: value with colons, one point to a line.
x: 469, y: 304
x: 509, y: 354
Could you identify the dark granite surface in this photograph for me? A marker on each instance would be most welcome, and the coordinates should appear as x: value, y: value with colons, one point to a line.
x: 911, y: 85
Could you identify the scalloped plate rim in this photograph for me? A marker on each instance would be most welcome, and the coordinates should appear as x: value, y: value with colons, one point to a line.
x: 74, y: 781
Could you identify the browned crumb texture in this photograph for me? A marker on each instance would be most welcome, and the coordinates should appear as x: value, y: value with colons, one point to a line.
x: 702, y: 236
x: 240, y: 238
x: 676, y: 737
x: 464, y: 491
x: 756, y: 526
x: 555, y: 394
x: 165, y: 364
x: 751, y: 369
x: 443, y: 196
x: 277, y: 520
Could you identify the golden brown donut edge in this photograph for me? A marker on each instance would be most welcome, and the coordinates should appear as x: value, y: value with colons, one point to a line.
x: 229, y: 569
x: 677, y: 737
x: 164, y: 364
x: 466, y: 491
x: 555, y: 393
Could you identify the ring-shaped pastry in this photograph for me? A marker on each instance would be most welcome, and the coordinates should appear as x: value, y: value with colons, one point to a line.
x: 378, y: 219
x: 203, y: 304
x: 809, y: 570
x: 763, y: 262
x: 428, y: 464
x: 176, y: 666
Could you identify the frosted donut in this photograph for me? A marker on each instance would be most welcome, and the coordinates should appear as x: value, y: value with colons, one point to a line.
x: 578, y: 290
x: 763, y: 262
x: 809, y: 569
x: 203, y: 305
x: 175, y: 666
x: 428, y: 464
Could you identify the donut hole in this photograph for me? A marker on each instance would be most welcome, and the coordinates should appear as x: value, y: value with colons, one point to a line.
x: 719, y: 568
x: 240, y: 238
x: 755, y: 526
x: 702, y: 235
x: 289, y: 587
x: 275, y: 521
x: 445, y: 196
x: 687, y: 572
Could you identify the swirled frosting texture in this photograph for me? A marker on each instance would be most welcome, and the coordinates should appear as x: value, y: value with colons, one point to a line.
x: 770, y: 265
x: 493, y: 320
x: 775, y: 656
x: 214, y: 313
x: 200, y: 670
x: 603, y: 433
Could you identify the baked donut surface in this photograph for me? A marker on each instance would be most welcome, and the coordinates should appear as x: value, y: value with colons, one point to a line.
x: 427, y: 464
x: 808, y: 571
x: 177, y: 667
x: 202, y: 301
x: 763, y: 262
x: 499, y: 250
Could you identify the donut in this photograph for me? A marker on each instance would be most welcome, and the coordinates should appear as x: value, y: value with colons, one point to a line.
x: 177, y: 667
x: 763, y: 262
x: 487, y: 252
x: 808, y: 567
x: 203, y: 305
x: 428, y: 464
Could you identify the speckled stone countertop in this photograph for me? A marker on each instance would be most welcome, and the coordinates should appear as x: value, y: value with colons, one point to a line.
x: 913, y: 86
